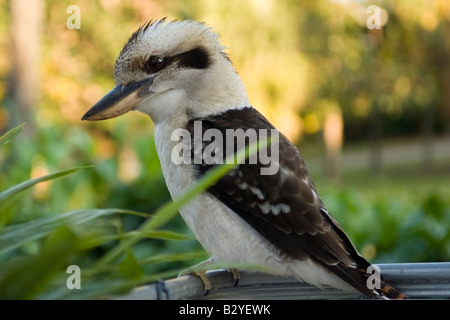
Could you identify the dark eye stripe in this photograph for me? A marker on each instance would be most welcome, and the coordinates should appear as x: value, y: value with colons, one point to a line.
x: 197, y: 58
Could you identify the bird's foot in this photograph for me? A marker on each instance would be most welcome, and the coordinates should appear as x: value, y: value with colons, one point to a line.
x: 202, y: 276
x: 206, y: 282
x: 236, y: 275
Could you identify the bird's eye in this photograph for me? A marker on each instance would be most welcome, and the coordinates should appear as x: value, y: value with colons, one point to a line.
x: 155, y: 63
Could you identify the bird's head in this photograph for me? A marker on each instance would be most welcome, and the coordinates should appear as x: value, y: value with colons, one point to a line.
x: 168, y: 68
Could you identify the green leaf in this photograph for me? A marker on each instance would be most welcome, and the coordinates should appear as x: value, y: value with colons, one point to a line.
x: 434, y: 206
x: 171, y: 257
x: 24, y: 278
x: 10, y: 135
x: 160, y: 234
x: 130, y: 267
x: 30, y: 183
x: 14, y: 236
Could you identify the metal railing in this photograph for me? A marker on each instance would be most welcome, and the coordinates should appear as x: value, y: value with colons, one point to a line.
x: 416, y: 280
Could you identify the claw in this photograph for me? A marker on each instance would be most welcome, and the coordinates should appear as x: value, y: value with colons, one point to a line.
x: 207, y: 284
x: 236, y: 276
x: 202, y: 276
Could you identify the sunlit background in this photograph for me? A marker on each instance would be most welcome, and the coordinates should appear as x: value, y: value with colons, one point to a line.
x: 363, y: 91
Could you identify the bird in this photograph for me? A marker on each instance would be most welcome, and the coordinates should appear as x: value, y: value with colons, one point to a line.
x: 179, y: 74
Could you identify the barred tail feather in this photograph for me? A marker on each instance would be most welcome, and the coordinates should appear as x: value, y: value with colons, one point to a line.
x: 389, y: 292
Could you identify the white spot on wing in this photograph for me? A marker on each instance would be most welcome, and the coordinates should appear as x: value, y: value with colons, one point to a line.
x: 243, y: 186
x: 265, y: 207
x: 257, y: 192
x: 275, y: 209
x: 285, y: 208
x: 281, y: 207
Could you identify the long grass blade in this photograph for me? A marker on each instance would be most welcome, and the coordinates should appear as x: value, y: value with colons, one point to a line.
x: 14, y: 236
x: 30, y: 183
x: 10, y: 135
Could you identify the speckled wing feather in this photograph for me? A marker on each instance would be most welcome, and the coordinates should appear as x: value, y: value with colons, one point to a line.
x: 285, y: 207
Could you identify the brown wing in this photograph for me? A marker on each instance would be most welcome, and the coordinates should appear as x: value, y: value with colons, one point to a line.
x: 285, y: 207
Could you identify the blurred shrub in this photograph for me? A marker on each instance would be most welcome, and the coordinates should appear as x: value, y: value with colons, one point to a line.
x: 389, y: 229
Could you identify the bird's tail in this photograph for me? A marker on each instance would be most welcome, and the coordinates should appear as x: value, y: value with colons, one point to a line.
x: 387, y: 291
x: 380, y: 289
x: 372, y: 284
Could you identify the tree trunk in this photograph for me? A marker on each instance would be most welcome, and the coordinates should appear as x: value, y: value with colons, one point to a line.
x: 376, y: 134
x: 26, y: 29
x: 334, y: 137
x: 375, y: 40
x: 427, y: 139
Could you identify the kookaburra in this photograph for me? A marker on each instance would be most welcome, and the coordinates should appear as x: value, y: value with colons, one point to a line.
x: 178, y: 73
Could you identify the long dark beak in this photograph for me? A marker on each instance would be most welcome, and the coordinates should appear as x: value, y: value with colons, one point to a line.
x: 119, y: 100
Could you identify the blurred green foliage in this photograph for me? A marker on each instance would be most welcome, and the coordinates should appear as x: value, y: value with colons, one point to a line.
x: 34, y: 254
x: 298, y: 60
x: 389, y: 229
